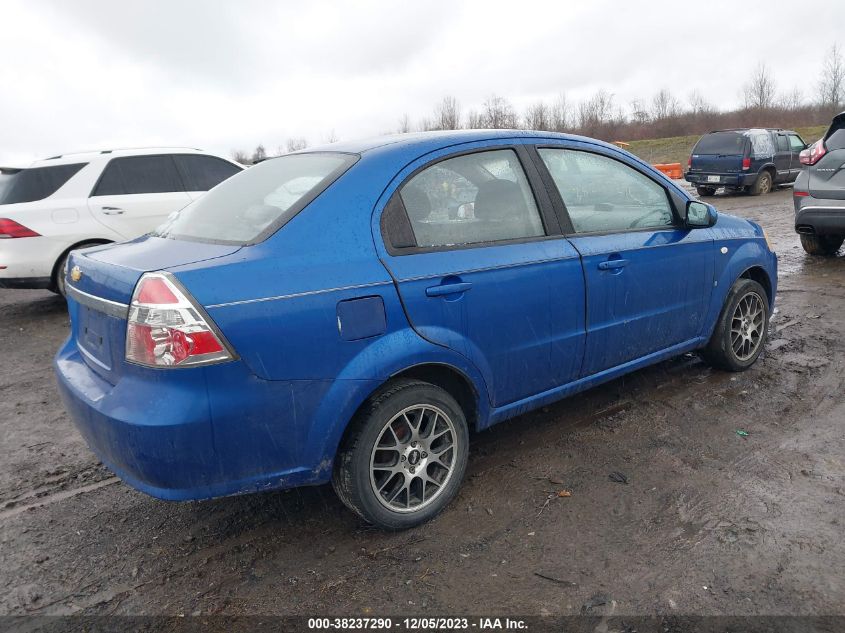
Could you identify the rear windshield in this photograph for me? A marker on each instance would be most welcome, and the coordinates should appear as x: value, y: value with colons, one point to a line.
x: 728, y: 143
x: 255, y: 203
x: 37, y: 183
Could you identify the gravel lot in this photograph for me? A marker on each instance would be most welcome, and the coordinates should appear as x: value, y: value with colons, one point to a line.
x: 710, y: 522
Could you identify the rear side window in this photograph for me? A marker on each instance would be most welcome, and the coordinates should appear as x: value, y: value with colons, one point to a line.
x: 727, y: 143
x: 761, y: 144
x: 28, y: 185
x: 836, y: 140
x: 139, y: 174
x: 470, y: 199
x: 201, y: 173
x: 783, y: 144
x: 258, y: 201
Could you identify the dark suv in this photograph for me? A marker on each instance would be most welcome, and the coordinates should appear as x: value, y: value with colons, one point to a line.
x: 819, y: 192
x: 752, y: 160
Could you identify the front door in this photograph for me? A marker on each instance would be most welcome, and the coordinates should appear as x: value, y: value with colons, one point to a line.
x: 480, y: 275
x: 648, y: 279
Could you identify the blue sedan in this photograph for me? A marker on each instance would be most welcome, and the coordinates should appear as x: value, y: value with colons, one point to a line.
x: 347, y: 314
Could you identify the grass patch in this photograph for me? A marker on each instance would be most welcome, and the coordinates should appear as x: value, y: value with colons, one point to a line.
x: 676, y: 149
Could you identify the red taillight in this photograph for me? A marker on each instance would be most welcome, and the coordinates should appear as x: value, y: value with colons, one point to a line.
x: 689, y: 162
x: 746, y: 164
x: 10, y: 228
x: 801, y: 194
x: 813, y: 154
x: 167, y: 328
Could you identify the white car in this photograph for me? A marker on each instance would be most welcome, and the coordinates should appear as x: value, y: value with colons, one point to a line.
x: 73, y: 201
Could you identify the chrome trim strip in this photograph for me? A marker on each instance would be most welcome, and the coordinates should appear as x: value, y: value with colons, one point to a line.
x: 298, y: 294
x: 111, y: 308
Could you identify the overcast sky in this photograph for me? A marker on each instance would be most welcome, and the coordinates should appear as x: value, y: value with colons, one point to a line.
x: 91, y: 74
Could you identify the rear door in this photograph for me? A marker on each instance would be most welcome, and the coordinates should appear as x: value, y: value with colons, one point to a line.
x: 200, y: 172
x: 827, y: 177
x: 648, y: 278
x: 481, y: 269
x: 136, y: 193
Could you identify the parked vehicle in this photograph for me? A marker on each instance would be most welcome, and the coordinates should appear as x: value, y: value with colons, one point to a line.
x: 347, y: 314
x: 78, y: 200
x: 819, y: 192
x: 750, y: 160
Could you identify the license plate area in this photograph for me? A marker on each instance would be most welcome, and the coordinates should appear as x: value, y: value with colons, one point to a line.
x: 714, y: 179
x: 93, y: 337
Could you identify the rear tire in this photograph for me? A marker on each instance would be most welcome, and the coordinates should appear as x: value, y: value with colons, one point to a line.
x: 763, y: 184
x: 705, y: 192
x: 60, y: 269
x: 740, y: 333
x: 404, y: 456
x: 824, y: 245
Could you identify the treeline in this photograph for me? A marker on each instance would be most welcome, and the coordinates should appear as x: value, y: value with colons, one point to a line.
x: 662, y: 115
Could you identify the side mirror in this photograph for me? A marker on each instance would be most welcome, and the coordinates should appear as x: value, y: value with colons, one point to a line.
x: 699, y: 215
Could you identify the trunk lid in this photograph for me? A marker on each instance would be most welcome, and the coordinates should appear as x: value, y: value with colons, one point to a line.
x: 827, y: 177
x: 99, y: 298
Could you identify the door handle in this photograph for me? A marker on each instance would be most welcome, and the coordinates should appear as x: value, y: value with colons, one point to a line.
x: 447, y: 289
x: 112, y: 210
x: 613, y: 264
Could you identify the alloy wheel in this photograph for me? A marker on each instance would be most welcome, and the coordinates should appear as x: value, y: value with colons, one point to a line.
x: 413, y: 459
x: 747, y: 326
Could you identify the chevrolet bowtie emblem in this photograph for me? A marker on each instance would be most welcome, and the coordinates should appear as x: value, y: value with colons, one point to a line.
x: 75, y: 274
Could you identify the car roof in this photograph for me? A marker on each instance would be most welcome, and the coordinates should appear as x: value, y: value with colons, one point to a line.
x: 431, y: 141
x: 85, y: 156
x: 751, y: 129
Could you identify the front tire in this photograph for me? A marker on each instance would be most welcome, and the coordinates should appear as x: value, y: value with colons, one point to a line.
x: 740, y: 334
x: 404, y: 457
x: 824, y: 245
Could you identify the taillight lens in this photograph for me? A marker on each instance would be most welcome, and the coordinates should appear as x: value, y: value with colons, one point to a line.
x: 166, y: 328
x: 746, y: 164
x: 10, y: 228
x: 813, y: 154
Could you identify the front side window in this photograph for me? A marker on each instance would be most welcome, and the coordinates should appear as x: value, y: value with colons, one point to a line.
x: 29, y: 185
x: 471, y: 199
x: 795, y: 143
x: 258, y: 200
x: 139, y: 174
x: 605, y: 195
x: 201, y: 173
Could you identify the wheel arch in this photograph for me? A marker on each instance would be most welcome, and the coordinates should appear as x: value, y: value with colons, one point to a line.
x: 759, y: 274
x: 88, y: 242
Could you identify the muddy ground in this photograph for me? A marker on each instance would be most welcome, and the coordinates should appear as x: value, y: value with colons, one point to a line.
x: 710, y: 522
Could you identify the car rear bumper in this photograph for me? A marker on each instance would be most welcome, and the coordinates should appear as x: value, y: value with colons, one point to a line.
x: 725, y: 180
x: 192, y: 433
x: 27, y: 262
x: 819, y: 216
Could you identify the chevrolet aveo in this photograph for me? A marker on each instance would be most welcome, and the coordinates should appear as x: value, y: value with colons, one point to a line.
x: 349, y: 314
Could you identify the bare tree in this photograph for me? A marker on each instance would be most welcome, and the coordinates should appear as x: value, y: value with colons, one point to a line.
x: 560, y: 114
x: 240, y: 156
x: 258, y: 154
x: 832, y: 82
x: 595, y: 112
x: 498, y: 113
x: 473, y: 120
x: 331, y: 137
x: 792, y: 101
x: 404, y: 124
x: 447, y: 115
x: 700, y: 105
x: 664, y: 106
x: 538, y: 116
x: 759, y: 92
x: 639, y: 114
x: 295, y: 144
